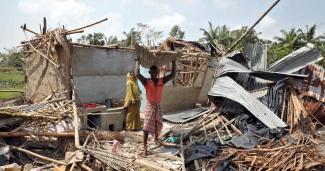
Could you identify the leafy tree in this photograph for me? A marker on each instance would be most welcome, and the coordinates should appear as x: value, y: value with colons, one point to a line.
x: 112, y: 40
x: 82, y: 39
x: 93, y: 39
x: 277, y: 51
x: 177, y: 32
x: 12, y: 58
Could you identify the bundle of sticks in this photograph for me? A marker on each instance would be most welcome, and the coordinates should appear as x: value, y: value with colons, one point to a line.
x: 297, y: 151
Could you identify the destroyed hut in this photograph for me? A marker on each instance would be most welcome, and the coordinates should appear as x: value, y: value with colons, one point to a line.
x: 223, y: 110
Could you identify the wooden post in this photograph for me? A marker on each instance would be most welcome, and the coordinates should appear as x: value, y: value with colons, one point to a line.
x: 75, y: 120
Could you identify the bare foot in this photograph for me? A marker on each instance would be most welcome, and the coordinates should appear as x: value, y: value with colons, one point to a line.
x: 145, y: 152
x: 157, y: 142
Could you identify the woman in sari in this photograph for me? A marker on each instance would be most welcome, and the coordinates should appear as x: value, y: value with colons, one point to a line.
x: 132, y: 103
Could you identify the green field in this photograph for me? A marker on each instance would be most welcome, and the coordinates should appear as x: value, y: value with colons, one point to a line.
x: 13, y: 80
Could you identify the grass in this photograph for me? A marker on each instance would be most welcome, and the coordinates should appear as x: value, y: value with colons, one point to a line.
x: 12, y: 80
x: 13, y: 75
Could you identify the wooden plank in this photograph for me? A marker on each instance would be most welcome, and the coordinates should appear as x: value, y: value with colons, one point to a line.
x: 150, y: 165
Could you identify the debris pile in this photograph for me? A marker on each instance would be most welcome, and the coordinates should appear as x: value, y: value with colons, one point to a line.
x: 258, y: 117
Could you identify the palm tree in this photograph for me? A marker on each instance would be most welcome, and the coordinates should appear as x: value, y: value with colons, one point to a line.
x: 131, y: 38
x: 222, y: 37
x: 289, y: 38
x: 219, y: 37
x: 310, y: 35
x: 210, y: 35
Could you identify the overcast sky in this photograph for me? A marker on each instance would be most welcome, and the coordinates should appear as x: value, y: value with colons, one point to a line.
x: 191, y: 15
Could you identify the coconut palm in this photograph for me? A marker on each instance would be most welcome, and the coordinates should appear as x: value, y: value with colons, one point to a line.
x: 223, y: 38
x: 310, y: 35
x: 210, y: 35
x: 219, y: 36
x: 290, y: 38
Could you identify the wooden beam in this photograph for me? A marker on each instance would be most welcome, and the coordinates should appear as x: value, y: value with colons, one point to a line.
x: 26, y: 29
x: 37, y: 155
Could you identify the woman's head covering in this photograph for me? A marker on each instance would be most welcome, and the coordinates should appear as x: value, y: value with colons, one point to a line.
x: 130, y: 77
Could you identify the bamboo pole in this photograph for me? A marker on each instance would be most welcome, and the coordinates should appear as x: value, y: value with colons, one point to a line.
x: 73, y: 30
x: 37, y: 155
x: 26, y: 29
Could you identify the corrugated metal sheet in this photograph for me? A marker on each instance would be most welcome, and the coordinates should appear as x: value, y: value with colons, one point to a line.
x: 297, y: 60
x: 186, y: 116
x: 226, y: 87
x: 251, y: 83
x: 256, y: 56
x: 315, y: 108
x: 225, y: 65
x: 275, y: 97
x: 314, y: 84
